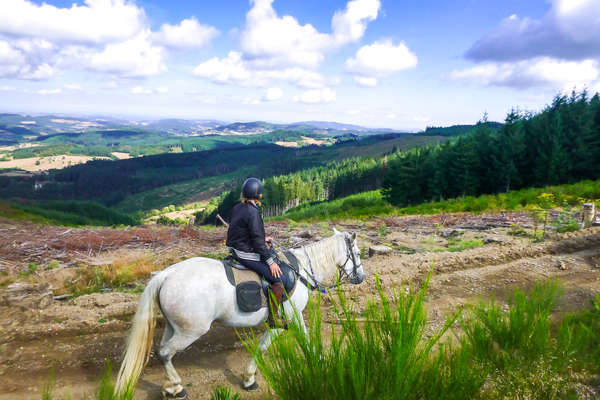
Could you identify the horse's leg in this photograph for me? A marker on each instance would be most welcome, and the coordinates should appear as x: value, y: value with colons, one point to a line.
x: 172, y: 388
x: 167, y: 334
x: 250, y: 374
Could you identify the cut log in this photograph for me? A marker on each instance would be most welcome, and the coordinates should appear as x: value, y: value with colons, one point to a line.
x: 379, y: 250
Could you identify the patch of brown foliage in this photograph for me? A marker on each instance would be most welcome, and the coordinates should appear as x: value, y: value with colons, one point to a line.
x: 24, y: 242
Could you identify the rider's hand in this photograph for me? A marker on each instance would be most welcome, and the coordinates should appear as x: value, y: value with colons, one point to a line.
x: 275, y: 270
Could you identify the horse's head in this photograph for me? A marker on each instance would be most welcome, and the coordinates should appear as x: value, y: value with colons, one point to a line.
x: 351, y: 265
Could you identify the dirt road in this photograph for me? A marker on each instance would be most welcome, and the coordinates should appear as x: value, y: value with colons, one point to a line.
x: 73, y: 338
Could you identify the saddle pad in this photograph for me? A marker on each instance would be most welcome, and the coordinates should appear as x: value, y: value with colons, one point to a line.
x: 240, y: 277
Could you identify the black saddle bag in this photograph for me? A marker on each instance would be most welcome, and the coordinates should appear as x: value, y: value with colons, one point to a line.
x: 249, y: 296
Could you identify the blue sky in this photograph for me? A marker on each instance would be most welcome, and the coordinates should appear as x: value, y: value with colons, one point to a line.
x: 380, y: 63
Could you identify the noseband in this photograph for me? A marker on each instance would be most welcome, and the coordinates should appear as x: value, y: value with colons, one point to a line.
x: 349, y: 256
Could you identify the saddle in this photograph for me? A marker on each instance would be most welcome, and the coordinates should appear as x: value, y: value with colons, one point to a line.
x: 251, y: 289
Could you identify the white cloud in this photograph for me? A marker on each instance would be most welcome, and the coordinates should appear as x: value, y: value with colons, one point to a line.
x: 350, y: 25
x: 352, y: 112
x: 366, y: 81
x: 279, y: 48
x: 380, y: 59
x: 108, y: 36
x: 7, y: 88
x: 97, y: 21
x: 235, y: 70
x: 273, y: 94
x: 391, y: 116
x: 140, y: 90
x: 324, y: 95
x: 162, y: 90
x: 16, y: 62
x: 136, y: 57
x: 11, y: 60
x: 111, y: 85
x: 270, y: 41
x: 49, y: 91
x: 189, y: 33
x: 226, y: 70
x: 543, y: 71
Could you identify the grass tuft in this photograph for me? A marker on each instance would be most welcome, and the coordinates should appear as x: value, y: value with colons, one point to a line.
x: 224, y: 393
x: 385, y: 354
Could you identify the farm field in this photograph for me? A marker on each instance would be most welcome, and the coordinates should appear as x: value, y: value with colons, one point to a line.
x: 473, y: 257
x: 35, y: 164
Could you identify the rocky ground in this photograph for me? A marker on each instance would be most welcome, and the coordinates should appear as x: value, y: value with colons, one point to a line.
x: 43, y: 334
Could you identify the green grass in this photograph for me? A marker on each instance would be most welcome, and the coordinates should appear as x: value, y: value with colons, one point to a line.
x: 224, y: 393
x: 383, y: 354
x: 456, y: 245
x: 357, y: 206
x: 516, y: 351
x: 367, y: 204
x: 525, y: 353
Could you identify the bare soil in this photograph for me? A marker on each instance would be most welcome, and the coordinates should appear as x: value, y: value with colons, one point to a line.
x: 71, y: 339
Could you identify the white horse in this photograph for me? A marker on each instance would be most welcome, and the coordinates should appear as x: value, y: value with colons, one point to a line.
x: 193, y: 293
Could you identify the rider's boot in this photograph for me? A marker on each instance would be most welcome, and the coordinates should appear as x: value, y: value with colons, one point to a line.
x: 276, y: 299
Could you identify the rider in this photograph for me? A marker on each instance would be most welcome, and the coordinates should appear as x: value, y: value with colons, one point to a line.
x: 247, y: 242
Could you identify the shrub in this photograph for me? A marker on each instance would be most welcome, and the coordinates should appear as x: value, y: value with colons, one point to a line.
x: 498, y: 336
x: 384, y: 355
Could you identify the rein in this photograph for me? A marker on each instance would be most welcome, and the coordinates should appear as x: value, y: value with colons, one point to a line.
x: 311, y: 274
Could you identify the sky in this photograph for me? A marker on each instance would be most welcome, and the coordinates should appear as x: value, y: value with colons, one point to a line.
x: 378, y: 63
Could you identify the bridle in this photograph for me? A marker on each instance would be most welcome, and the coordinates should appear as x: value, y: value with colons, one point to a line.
x: 350, y: 256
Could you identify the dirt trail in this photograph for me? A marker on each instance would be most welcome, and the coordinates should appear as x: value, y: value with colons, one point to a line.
x: 74, y: 338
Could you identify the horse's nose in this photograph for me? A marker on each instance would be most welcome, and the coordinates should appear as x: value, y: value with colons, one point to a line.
x: 358, y: 278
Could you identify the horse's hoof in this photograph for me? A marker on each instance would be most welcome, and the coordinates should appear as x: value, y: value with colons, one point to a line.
x: 179, y: 396
x: 252, y: 388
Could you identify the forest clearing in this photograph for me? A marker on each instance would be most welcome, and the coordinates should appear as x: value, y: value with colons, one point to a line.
x: 46, y: 332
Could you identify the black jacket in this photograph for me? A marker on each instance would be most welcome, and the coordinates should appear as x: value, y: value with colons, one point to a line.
x: 246, y: 233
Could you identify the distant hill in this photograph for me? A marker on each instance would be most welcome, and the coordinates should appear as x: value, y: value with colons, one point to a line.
x: 49, y: 124
x: 102, y: 136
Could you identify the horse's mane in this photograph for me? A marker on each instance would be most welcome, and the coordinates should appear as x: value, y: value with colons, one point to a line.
x: 323, y: 256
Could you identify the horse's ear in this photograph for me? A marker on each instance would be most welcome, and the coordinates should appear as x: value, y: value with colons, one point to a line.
x: 336, y: 232
x: 353, y: 236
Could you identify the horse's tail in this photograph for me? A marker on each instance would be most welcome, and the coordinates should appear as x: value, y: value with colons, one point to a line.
x: 139, y: 342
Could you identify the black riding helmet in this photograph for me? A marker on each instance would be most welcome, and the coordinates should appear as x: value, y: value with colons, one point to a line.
x: 252, y: 188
